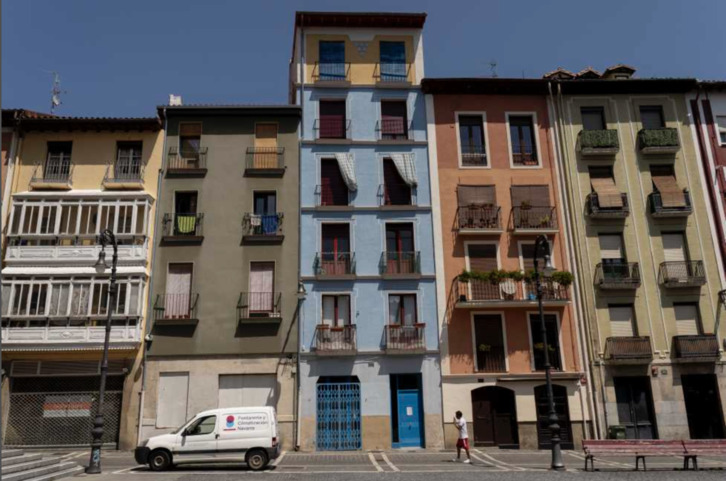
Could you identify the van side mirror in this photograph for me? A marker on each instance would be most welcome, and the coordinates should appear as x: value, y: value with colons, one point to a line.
x: 184, y: 433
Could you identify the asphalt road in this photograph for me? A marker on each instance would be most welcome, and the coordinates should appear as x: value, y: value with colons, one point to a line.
x: 496, y: 465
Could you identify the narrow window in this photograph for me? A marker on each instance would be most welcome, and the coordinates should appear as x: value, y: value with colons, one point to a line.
x: 393, y: 62
x: 395, y: 190
x: 489, y: 343
x: 332, y: 123
x: 394, y: 123
x: 651, y: 116
x: 332, y: 60
x: 553, y: 341
x: 593, y: 118
x: 471, y: 138
x: 524, y: 148
x: 333, y: 190
x: 128, y: 161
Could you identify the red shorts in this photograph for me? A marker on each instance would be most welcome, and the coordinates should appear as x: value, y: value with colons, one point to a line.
x: 463, y: 443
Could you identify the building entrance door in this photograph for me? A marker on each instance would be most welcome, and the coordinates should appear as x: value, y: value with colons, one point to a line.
x: 703, y: 406
x: 635, y: 407
x: 495, y: 417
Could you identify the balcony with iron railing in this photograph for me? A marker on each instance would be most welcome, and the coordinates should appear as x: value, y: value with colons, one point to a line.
x: 534, y: 220
x: 478, y: 219
x: 52, y: 174
x: 327, y: 198
x: 124, y: 175
x: 490, y: 358
x: 182, y: 229
x: 332, y: 130
x: 58, y: 334
x: 176, y: 309
x: 265, y: 162
x: 397, y: 265
x: 335, y: 340
x: 658, y: 210
x: 659, y: 141
x: 262, y: 228
x: 598, y: 143
x: 392, y: 130
x: 186, y: 163
x: 635, y: 349
x: 473, y: 156
x: 596, y: 211
x: 525, y: 159
x: 696, y: 347
x: 259, y: 307
x: 334, y: 265
x: 395, y: 195
x: 392, y: 74
x: 675, y: 274
x: 617, y: 276
x: 405, y: 339
x: 508, y: 292
x: 331, y: 72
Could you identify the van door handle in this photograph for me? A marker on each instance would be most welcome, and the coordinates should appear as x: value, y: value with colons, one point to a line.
x: 216, y: 436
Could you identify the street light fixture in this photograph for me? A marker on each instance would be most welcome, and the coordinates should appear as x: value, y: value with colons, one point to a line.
x: 542, y: 245
x: 105, y: 238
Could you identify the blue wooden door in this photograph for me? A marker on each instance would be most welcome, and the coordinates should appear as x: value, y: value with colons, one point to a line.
x: 409, y: 418
x: 338, y: 411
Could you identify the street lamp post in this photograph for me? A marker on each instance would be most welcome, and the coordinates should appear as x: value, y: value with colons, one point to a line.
x: 107, y: 237
x: 542, y: 245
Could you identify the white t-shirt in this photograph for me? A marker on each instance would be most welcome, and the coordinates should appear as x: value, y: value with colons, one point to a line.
x: 461, y: 425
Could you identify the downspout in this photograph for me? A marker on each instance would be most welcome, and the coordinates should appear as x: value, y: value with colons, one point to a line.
x: 301, y: 79
x: 585, y: 350
x: 150, y: 307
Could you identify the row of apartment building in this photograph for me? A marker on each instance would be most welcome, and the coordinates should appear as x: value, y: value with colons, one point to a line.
x: 360, y: 258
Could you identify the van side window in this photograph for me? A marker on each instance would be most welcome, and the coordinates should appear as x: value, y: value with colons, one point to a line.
x: 204, y: 425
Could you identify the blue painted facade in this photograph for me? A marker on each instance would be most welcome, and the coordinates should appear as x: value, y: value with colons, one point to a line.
x: 371, y: 364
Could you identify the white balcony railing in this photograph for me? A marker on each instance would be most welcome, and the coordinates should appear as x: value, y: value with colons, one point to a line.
x: 70, y: 254
x: 89, y: 337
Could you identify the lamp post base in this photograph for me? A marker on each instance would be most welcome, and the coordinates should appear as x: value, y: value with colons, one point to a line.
x: 94, y: 466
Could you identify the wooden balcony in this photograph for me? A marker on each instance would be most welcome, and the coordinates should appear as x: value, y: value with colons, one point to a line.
x: 703, y: 347
x: 335, y: 340
x: 628, y: 349
x: 401, y: 339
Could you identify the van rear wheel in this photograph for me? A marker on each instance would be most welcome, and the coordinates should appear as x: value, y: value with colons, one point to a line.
x: 159, y: 460
x: 257, y: 459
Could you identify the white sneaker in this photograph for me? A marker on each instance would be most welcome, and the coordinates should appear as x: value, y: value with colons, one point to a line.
x: 454, y: 460
x: 467, y: 461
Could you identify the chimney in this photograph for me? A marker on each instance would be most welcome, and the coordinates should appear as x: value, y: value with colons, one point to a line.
x: 175, y: 100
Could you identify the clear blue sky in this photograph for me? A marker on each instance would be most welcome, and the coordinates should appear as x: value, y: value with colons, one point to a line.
x: 124, y: 57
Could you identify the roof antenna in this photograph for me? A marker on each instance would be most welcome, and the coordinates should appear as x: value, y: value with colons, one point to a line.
x: 493, y: 68
x: 55, y: 100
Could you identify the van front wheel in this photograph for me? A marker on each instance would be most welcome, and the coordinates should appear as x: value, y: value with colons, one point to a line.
x: 256, y: 459
x: 159, y: 460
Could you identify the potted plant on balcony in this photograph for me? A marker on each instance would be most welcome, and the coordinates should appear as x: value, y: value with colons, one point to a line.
x: 545, y: 220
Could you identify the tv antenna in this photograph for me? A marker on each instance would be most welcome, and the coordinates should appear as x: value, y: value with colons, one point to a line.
x: 56, y: 92
x: 493, y: 68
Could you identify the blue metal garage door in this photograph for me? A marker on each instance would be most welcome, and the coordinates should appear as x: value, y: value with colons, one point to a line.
x: 338, y: 410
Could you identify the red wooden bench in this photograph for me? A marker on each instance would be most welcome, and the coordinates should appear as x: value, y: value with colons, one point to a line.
x: 640, y: 448
x: 705, y: 447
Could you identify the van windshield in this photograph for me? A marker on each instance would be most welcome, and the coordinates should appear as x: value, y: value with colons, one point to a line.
x: 185, y: 424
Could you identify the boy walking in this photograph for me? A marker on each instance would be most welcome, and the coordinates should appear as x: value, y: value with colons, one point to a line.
x: 463, y: 441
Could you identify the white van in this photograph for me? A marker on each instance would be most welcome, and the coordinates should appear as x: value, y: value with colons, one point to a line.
x: 220, y: 435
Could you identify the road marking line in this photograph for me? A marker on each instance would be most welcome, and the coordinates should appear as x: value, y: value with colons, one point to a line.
x: 125, y: 470
x: 482, y: 460
x: 374, y: 462
x: 389, y: 463
x: 279, y: 458
x: 499, y: 463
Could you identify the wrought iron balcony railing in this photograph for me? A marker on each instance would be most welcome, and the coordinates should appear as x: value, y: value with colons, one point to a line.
x: 396, y: 193
x: 335, y: 340
x: 265, y: 160
x: 182, y: 225
x: 332, y: 128
x: 478, y: 292
x: 478, y: 218
x: 124, y: 173
x: 490, y: 358
x: 628, y: 348
x: 597, y: 211
x: 176, y: 307
x: 259, y: 306
x: 657, y: 209
x: 262, y: 225
x: 534, y: 218
x: 53, y: 173
x: 625, y: 275
x: 698, y: 346
x: 473, y: 156
x: 395, y: 263
x: 682, y: 273
x: 326, y: 196
x: 405, y: 339
x: 392, y: 72
x: 331, y: 72
x: 186, y: 161
x: 392, y: 129
x: 334, y: 264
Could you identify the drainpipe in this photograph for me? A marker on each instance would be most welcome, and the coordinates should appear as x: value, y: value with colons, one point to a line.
x: 585, y: 350
x: 301, y: 79
x: 150, y: 307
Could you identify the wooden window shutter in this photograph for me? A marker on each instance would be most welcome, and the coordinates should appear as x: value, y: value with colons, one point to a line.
x: 266, y: 135
x: 190, y: 129
x: 482, y: 257
x: 536, y: 195
x: 476, y: 195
